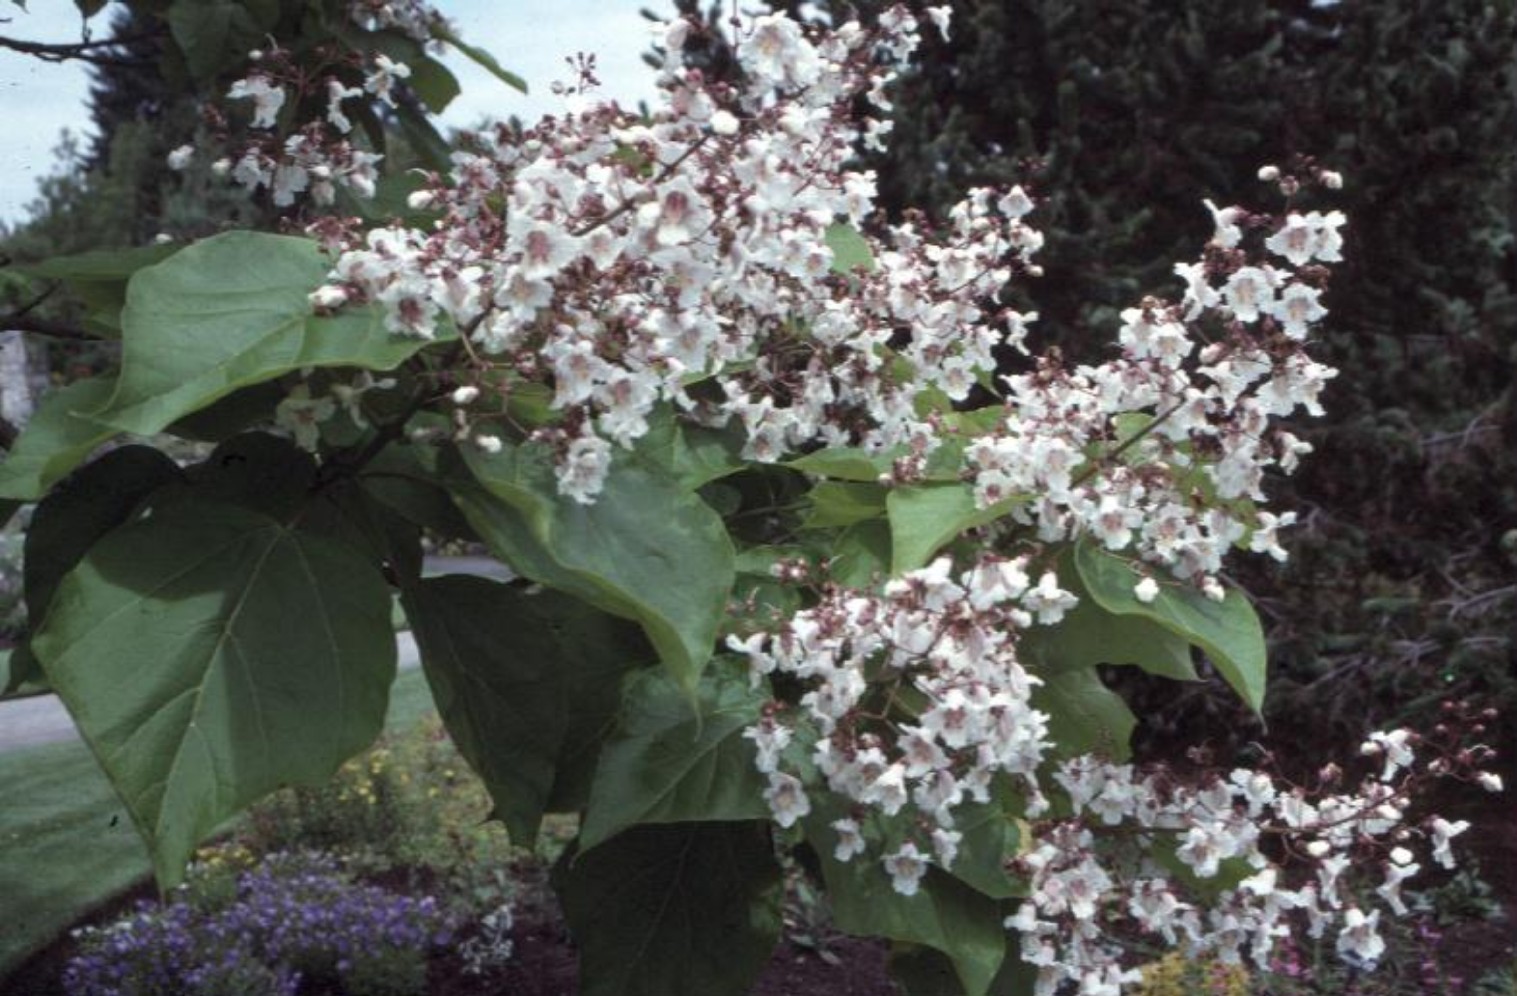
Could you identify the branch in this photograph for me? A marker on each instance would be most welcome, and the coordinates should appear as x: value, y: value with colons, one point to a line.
x: 21, y: 322
x: 96, y: 52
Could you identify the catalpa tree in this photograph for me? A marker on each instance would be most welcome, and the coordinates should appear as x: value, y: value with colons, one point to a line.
x: 816, y: 558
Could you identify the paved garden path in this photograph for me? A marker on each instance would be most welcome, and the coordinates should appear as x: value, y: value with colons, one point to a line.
x: 42, y: 719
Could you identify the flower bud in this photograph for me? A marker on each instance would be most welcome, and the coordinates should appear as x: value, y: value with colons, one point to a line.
x: 1490, y: 781
x: 420, y: 200
x: 724, y: 123
x: 328, y: 297
x: 1269, y: 173
x: 465, y: 395
x: 490, y: 444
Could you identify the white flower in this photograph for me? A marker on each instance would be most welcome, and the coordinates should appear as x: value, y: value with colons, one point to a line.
x: 906, y: 867
x: 850, y: 840
x: 1048, y: 600
x: 328, y: 297
x: 787, y: 798
x: 1490, y: 781
x: 266, y: 97
x: 1359, y: 942
x: 336, y: 94
x: 1228, y: 234
x: 489, y: 444
x: 1443, y: 832
x: 1296, y: 309
x: 1394, y: 745
x: 1146, y: 590
x: 582, y: 472
x: 724, y: 123
x: 1296, y: 240
x: 940, y: 17
x: 301, y: 415
x: 386, y: 74
x: 180, y: 157
x: 769, y: 739
x: 1249, y: 291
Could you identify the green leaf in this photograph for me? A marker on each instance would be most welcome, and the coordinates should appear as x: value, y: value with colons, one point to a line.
x: 527, y: 684
x: 693, y: 455
x: 229, y: 312
x: 1084, y: 716
x: 925, y: 517
x: 57, y: 439
x: 862, y: 554
x: 1228, y: 631
x: 922, y: 971
x: 87, y: 505
x: 1089, y: 635
x: 844, y: 464
x: 404, y: 479
x: 671, y: 760
x: 690, y: 909
x: 843, y: 503
x: 428, y: 144
x: 992, y: 836
x: 849, y: 249
x: 647, y: 549
x: 944, y: 914
x: 442, y: 32
x: 433, y: 83
x: 214, y: 34
x: 99, y: 278
x: 23, y: 681
x: 209, y: 655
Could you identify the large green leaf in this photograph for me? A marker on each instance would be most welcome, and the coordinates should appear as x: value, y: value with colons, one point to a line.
x: 1228, y: 630
x: 1089, y: 634
x: 925, y: 517
x: 1084, y: 716
x: 992, y: 837
x: 647, y: 549
x: 692, y: 454
x: 691, y: 909
x: 87, y: 505
x: 229, y: 312
x: 210, y: 654
x: 527, y: 684
x: 59, y: 438
x: 945, y: 913
x: 671, y: 760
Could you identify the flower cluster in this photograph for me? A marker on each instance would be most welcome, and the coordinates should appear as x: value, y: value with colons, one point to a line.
x: 950, y: 642
x: 707, y: 257
x: 916, y: 703
x: 317, y: 158
x: 295, y: 916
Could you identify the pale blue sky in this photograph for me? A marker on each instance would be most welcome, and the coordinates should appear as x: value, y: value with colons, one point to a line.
x: 530, y: 37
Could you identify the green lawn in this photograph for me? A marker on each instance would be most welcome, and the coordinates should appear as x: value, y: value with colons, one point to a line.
x: 66, y: 844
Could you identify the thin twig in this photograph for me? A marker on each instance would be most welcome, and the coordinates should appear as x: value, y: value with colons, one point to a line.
x: 21, y: 322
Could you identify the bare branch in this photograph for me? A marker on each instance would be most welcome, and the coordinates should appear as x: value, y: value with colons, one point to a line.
x: 100, y: 53
x: 44, y: 326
